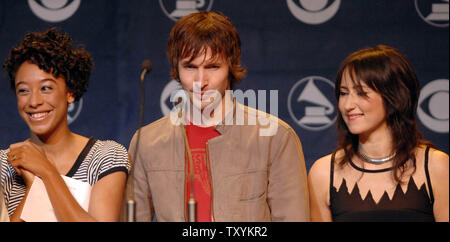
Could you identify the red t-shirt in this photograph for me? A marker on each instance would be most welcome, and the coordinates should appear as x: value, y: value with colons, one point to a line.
x: 197, y: 137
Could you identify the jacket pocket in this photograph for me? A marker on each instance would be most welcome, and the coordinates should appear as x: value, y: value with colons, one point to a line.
x: 252, y: 186
x: 168, y: 200
x: 246, y: 195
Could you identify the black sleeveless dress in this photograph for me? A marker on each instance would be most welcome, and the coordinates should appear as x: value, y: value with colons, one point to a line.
x: 413, y: 206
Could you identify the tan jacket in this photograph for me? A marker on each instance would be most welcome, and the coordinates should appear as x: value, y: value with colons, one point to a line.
x: 253, y: 177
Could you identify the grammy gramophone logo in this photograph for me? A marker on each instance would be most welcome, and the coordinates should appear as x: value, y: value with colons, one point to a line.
x: 176, y: 9
x: 311, y: 103
x: 434, y: 12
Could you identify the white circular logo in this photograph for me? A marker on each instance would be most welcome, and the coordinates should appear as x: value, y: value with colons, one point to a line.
x: 74, y: 110
x: 313, y: 11
x: 165, y: 96
x: 309, y: 103
x: 54, y: 10
x: 176, y: 9
x: 433, y: 109
x: 434, y: 12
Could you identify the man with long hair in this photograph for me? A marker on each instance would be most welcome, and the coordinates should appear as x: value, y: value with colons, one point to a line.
x: 202, y: 153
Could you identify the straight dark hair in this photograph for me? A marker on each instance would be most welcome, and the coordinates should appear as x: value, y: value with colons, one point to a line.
x: 388, y: 72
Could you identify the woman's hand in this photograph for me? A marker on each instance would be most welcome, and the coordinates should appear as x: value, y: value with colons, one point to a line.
x: 27, y: 176
x: 29, y: 160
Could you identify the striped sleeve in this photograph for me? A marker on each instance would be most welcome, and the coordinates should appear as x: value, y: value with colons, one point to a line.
x: 5, y: 180
x: 114, y: 159
x: 13, y: 186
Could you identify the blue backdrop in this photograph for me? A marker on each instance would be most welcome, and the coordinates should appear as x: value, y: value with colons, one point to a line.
x: 294, y: 47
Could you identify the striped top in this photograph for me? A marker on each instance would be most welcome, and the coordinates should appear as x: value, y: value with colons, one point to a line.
x: 96, y: 160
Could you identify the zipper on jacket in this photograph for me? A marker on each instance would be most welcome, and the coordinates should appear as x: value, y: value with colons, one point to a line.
x: 208, y: 166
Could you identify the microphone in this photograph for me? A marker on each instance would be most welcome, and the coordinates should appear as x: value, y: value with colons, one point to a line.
x: 146, y: 68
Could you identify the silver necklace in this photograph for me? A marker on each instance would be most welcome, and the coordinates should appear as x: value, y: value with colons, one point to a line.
x: 376, y: 160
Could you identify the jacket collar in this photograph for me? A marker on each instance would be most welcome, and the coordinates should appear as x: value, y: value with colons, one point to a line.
x: 230, y: 117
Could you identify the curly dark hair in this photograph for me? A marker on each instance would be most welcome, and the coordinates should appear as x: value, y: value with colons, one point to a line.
x: 53, y: 52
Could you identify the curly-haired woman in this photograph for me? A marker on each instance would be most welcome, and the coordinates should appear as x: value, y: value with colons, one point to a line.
x: 47, y: 74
